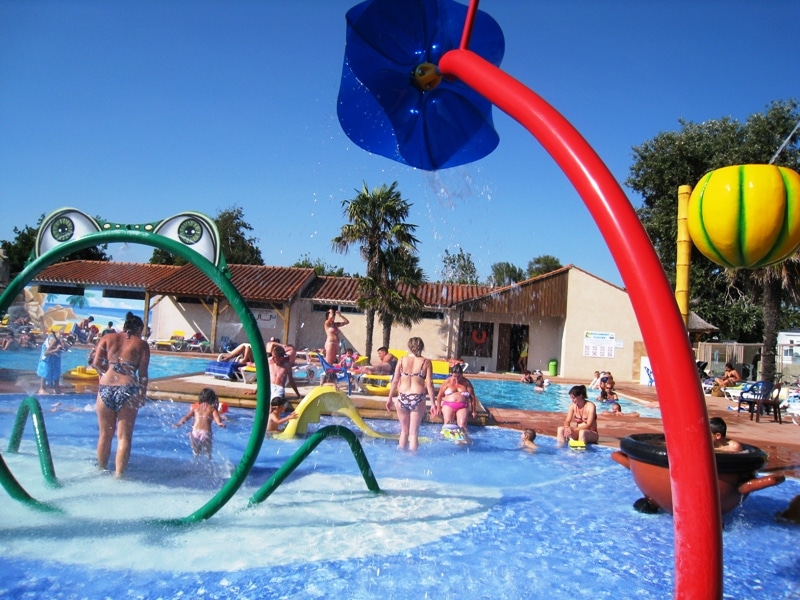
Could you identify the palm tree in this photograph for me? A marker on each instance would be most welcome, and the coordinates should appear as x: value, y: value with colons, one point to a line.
x: 397, y: 302
x: 774, y: 284
x: 376, y: 223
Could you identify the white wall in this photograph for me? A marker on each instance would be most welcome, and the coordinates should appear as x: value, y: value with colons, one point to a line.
x: 596, y: 306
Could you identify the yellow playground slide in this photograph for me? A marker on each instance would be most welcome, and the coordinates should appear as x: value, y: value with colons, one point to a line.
x: 325, y: 399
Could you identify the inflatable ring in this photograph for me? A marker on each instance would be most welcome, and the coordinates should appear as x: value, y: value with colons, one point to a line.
x: 479, y: 336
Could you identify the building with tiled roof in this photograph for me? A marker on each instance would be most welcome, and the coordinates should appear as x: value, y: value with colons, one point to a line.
x: 570, y: 319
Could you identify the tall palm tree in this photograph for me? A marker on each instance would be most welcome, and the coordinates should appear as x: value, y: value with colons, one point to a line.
x: 397, y: 302
x: 376, y: 223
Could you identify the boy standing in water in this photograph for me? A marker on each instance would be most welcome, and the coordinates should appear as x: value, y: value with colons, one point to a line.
x: 204, y: 411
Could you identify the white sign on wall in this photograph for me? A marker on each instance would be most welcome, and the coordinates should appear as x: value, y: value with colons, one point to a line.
x: 599, y: 344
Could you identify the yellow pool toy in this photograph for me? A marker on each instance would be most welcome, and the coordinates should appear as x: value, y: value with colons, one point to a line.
x: 577, y: 445
x: 82, y: 373
x: 325, y: 399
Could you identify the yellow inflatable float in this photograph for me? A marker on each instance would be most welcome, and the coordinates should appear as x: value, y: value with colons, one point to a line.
x: 82, y: 372
x: 325, y: 399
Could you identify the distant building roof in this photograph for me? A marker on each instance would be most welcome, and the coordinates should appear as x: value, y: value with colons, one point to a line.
x: 104, y: 274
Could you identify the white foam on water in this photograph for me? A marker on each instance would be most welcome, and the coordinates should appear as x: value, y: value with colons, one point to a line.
x: 115, y: 524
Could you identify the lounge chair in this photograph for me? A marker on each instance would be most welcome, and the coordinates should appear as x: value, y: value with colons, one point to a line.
x: 650, y: 379
x: 342, y: 374
x: 176, y: 342
x: 224, y: 370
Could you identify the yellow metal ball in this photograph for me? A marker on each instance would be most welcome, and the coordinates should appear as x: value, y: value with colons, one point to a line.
x: 746, y: 216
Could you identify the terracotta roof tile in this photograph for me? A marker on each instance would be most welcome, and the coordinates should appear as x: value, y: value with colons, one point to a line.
x: 333, y: 290
x: 105, y: 274
x: 254, y: 282
x: 336, y: 290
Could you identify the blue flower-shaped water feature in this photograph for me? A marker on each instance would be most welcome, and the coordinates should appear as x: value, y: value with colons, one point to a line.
x: 392, y: 100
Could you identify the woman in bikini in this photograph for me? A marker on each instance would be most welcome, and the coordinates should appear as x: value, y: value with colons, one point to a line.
x: 584, y: 414
x: 332, y: 335
x: 412, y: 385
x: 457, y: 398
x: 123, y: 360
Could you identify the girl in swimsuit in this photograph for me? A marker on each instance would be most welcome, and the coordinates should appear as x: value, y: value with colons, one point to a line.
x: 584, y: 413
x: 204, y: 411
x: 332, y: 334
x: 123, y: 360
x: 411, y: 386
x: 456, y: 398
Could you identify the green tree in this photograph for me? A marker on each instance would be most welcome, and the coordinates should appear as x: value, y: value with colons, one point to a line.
x: 459, y: 268
x: 238, y: 246
x: 745, y: 305
x: 504, y: 273
x: 377, y: 225
x: 397, y: 300
x: 540, y: 265
x: 20, y: 249
x: 320, y: 267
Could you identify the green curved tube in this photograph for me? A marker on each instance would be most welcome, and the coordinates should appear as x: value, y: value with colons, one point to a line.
x: 219, y: 276
x: 30, y: 405
x: 17, y: 492
x: 290, y: 465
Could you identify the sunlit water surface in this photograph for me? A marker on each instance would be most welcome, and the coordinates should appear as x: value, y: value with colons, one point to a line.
x: 482, y: 521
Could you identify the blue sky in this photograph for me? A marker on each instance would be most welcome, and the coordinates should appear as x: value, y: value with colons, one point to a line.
x: 134, y: 111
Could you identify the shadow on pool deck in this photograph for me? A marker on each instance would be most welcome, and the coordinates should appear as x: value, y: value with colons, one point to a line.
x: 780, y: 441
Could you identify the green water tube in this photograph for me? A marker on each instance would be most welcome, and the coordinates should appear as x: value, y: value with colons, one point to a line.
x: 300, y: 455
x: 148, y: 235
x: 30, y: 406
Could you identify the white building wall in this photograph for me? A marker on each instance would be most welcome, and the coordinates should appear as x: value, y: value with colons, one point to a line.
x: 596, y: 306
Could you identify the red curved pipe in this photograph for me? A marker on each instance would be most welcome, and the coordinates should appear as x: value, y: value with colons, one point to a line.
x: 698, y: 524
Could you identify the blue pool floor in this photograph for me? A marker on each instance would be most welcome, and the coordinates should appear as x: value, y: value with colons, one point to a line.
x: 488, y: 520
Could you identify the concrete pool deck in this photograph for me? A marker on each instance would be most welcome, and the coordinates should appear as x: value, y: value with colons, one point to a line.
x: 780, y: 441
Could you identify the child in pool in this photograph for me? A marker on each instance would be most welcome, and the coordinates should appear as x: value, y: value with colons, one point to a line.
x: 274, y: 420
x: 527, y: 440
x: 719, y: 432
x: 204, y: 411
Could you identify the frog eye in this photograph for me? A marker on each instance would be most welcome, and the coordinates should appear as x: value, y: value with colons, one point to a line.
x: 194, y: 230
x: 63, y: 226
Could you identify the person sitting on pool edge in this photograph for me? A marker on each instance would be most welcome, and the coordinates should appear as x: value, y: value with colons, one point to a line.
x: 719, y: 432
x: 584, y: 413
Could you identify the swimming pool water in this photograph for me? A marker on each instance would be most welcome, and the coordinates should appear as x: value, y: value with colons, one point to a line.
x: 482, y: 521
x: 555, y: 398
x: 161, y: 365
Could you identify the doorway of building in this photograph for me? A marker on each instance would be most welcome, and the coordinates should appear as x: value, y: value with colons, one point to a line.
x: 509, y: 346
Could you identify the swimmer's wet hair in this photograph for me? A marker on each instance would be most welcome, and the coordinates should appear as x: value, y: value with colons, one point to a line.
x: 529, y: 434
x: 207, y: 396
x: 718, y: 425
